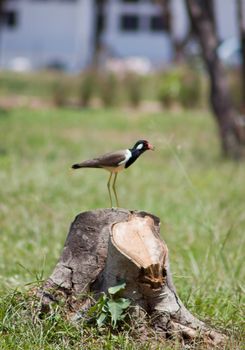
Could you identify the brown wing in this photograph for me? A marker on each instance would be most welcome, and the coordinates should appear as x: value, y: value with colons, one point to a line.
x: 111, y: 159
x: 107, y: 160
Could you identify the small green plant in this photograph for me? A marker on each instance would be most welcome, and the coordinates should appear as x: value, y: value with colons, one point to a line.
x: 86, y: 88
x: 191, y: 90
x: 108, y: 89
x: 110, y: 309
x: 134, y: 88
x: 169, y: 89
x: 180, y: 86
x: 60, y: 92
x: 235, y: 87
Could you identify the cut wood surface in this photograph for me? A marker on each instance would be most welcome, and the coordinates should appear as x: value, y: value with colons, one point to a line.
x: 106, y: 246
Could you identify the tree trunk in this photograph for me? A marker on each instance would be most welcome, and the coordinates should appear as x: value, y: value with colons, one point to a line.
x: 241, y: 24
x: 106, y: 246
x: 178, y: 44
x: 100, y: 23
x: 232, y: 137
x: 2, y: 3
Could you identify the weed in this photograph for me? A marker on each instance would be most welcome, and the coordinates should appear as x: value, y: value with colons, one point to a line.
x: 110, y: 309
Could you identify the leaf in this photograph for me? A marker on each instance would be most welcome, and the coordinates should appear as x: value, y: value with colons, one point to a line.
x: 124, y: 303
x: 116, y: 309
x: 101, y: 319
x: 117, y: 288
x: 99, y: 306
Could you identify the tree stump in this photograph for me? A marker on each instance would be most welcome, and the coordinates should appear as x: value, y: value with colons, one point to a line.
x: 106, y: 246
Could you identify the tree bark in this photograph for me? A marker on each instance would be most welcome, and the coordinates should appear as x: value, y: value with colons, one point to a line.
x: 2, y: 3
x: 230, y: 128
x: 106, y: 246
x: 179, y: 45
x: 100, y: 23
x: 241, y: 24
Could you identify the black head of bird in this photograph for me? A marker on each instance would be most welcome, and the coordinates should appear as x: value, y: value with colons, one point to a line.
x: 115, y: 162
x: 140, y: 147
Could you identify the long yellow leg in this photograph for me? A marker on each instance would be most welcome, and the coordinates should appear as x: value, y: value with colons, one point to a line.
x: 109, y: 190
x: 114, y: 189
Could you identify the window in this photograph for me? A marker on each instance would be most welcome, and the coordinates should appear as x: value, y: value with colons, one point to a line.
x: 41, y: 0
x: 157, y: 23
x: 100, y: 23
x: 100, y: 17
x: 10, y: 19
x: 129, y: 22
x: 130, y: 1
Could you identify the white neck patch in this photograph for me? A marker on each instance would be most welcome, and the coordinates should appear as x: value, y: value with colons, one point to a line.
x: 128, y: 155
x: 140, y: 146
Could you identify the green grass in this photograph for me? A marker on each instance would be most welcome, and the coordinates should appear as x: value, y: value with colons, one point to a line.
x: 198, y: 196
x: 32, y: 84
x: 174, y: 88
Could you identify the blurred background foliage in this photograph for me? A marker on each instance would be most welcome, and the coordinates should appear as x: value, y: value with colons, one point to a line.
x: 180, y: 86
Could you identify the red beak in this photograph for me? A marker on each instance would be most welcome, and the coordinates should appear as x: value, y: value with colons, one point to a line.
x: 151, y: 147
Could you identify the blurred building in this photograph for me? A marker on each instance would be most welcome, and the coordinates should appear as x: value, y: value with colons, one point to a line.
x: 64, y: 33
x: 46, y: 33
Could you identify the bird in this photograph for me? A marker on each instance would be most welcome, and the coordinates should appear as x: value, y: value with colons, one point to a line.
x: 114, y: 162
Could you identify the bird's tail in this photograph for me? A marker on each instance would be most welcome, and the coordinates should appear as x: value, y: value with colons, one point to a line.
x: 93, y: 163
x: 77, y: 166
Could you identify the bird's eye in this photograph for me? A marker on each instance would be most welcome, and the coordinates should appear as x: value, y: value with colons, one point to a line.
x: 140, y: 146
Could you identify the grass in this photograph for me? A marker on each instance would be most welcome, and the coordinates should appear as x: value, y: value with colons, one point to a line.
x: 180, y: 87
x: 198, y: 196
x: 33, y: 84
